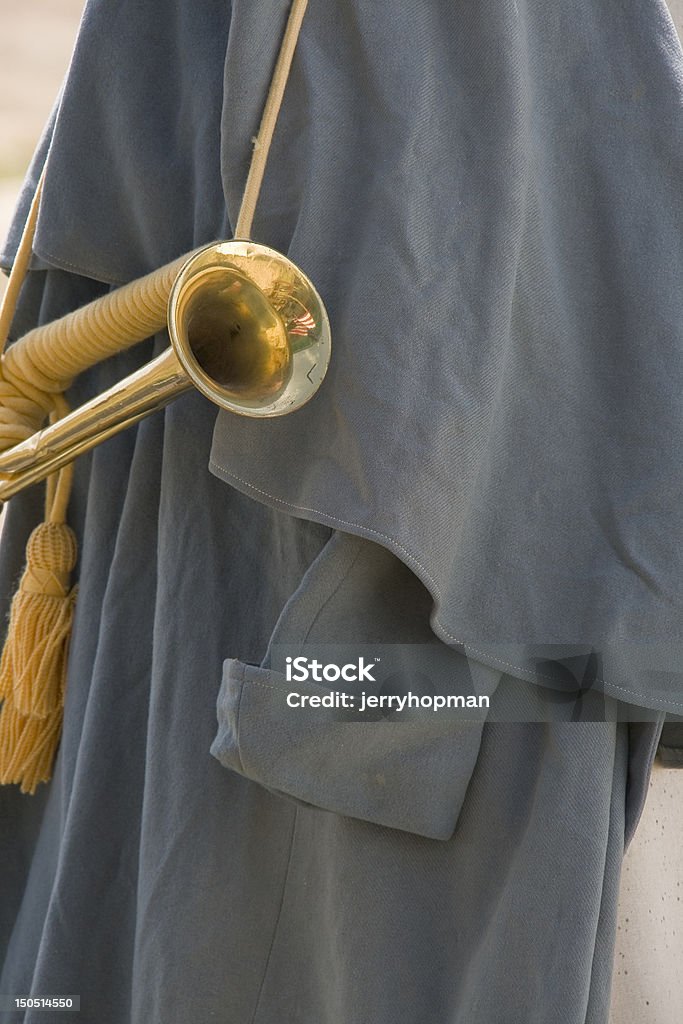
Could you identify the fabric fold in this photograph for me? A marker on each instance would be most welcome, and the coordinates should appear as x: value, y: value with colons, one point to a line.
x: 489, y: 201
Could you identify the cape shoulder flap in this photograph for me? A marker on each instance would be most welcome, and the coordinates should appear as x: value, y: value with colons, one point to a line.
x: 489, y: 198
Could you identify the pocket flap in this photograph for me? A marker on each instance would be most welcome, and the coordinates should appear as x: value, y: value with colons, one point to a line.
x: 410, y: 774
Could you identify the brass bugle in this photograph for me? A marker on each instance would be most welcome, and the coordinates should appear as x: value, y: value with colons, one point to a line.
x: 247, y: 329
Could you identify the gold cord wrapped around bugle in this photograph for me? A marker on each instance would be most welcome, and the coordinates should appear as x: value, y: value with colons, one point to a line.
x: 247, y: 328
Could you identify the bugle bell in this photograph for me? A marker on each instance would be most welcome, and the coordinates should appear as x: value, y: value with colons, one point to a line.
x: 248, y: 330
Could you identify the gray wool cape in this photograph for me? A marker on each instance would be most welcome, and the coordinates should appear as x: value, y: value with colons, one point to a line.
x: 488, y: 197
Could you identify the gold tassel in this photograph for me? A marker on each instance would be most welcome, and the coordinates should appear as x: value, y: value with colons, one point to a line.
x: 34, y: 660
x: 27, y: 747
x: 32, y: 667
x: 33, y: 663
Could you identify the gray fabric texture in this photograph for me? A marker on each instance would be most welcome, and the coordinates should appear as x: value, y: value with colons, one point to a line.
x: 160, y: 884
x: 488, y: 198
x: 670, y: 750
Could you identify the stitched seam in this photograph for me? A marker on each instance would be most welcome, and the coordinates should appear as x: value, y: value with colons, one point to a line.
x: 334, y: 519
x: 330, y: 586
x: 499, y: 662
x: 89, y: 272
x: 279, y: 915
x: 334, y: 592
x: 257, y: 682
x: 243, y: 680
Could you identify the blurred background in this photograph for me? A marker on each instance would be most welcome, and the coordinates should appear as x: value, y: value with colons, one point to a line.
x: 36, y: 40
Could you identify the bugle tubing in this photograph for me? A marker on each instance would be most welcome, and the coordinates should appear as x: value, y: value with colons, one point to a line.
x: 247, y: 329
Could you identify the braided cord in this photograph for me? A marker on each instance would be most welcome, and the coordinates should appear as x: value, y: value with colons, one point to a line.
x: 44, y: 361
